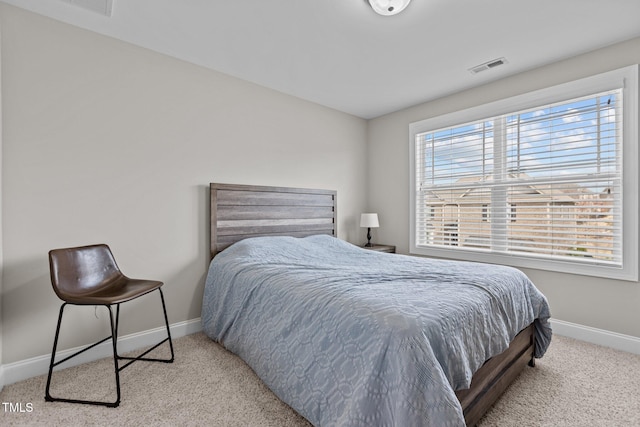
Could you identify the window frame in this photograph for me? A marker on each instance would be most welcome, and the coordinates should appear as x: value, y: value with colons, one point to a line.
x: 625, y: 78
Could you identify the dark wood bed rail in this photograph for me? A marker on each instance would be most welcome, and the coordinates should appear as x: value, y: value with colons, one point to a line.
x: 493, y: 378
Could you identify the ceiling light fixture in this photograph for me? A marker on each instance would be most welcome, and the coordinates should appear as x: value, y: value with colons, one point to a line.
x: 388, y: 7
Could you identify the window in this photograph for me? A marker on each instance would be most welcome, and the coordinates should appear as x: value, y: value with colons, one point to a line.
x: 539, y: 180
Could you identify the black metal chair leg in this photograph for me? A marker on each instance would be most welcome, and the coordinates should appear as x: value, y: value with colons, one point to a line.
x: 47, y: 396
x: 114, y: 334
x: 149, y: 359
x: 166, y: 321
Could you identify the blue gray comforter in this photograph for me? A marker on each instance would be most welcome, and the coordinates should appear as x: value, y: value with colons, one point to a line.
x: 351, y: 337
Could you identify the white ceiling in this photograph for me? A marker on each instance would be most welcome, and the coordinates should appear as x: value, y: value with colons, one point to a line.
x: 340, y: 54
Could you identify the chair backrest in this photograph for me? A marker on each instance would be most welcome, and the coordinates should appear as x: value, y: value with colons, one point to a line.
x: 82, y: 270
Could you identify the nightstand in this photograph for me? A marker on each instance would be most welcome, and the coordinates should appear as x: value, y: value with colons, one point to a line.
x: 381, y: 248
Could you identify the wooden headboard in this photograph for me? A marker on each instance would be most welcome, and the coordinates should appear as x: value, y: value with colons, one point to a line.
x: 242, y: 211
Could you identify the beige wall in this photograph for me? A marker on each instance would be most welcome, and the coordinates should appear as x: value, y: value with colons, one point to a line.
x: 1, y: 256
x: 605, y: 304
x: 108, y: 142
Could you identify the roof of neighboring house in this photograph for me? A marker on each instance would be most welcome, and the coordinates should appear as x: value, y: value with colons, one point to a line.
x: 524, y: 192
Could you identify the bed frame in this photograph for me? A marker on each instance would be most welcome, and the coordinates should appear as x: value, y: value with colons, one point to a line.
x: 242, y: 211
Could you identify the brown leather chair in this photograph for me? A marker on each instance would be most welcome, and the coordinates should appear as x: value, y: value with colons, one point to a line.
x: 89, y: 275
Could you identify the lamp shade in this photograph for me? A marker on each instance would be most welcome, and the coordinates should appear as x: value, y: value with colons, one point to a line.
x: 369, y: 220
x: 388, y: 7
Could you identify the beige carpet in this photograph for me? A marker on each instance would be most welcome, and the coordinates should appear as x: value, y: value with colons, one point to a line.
x: 575, y: 384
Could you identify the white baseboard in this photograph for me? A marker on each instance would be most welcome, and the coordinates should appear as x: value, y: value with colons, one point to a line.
x: 602, y: 337
x: 18, y: 371
x: 22, y: 370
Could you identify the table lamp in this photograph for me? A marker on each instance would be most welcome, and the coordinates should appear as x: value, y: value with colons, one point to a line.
x: 369, y: 220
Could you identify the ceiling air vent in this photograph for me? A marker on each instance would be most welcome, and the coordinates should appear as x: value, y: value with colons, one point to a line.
x: 104, y: 7
x: 488, y: 65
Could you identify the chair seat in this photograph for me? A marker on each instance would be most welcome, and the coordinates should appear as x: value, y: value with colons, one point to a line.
x: 125, y: 289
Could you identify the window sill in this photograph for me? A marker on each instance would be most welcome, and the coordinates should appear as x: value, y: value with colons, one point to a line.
x: 538, y: 263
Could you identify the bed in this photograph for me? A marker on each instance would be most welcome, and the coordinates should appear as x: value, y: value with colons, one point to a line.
x: 348, y: 336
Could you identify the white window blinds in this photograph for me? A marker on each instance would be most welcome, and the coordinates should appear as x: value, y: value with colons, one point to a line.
x: 545, y: 182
